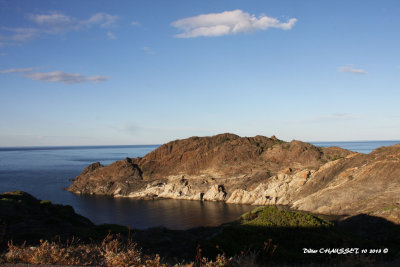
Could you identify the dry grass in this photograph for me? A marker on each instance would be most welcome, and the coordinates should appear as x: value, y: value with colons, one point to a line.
x: 112, y: 251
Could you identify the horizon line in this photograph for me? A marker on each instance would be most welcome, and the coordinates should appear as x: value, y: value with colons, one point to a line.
x: 115, y: 145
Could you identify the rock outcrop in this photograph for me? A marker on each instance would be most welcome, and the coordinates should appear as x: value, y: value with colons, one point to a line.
x: 118, y: 178
x: 256, y: 170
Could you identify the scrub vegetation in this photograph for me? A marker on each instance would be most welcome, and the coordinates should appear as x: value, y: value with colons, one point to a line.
x: 39, y: 232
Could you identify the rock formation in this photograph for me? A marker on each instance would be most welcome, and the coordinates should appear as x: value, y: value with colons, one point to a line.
x: 256, y: 170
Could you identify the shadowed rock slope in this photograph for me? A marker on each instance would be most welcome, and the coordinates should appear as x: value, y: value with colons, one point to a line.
x: 256, y: 170
x: 23, y: 217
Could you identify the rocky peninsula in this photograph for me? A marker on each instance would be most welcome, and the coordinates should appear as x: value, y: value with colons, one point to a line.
x: 256, y: 170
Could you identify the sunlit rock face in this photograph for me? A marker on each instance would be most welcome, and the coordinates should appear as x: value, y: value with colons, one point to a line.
x: 256, y: 170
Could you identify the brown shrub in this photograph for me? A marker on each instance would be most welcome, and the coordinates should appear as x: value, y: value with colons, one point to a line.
x: 111, y: 252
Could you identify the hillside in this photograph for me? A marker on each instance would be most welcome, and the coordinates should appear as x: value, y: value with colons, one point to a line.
x: 256, y: 170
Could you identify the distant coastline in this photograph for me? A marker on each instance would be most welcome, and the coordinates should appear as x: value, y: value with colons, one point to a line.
x: 12, y: 148
x: 366, y: 145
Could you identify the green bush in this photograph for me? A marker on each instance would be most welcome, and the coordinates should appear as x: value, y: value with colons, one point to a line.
x: 45, y: 202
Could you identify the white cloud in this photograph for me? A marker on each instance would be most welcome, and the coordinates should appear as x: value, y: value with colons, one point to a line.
x: 63, y: 77
x: 135, y: 23
x: 55, y: 23
x: 16, y: 70
x: 61, y: 22
x: 103, y: 19
x: 56, y: 76
x: 349, y: 68
x: 226, y: 23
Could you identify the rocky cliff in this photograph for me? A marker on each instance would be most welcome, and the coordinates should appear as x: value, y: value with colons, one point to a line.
x: 256, y: 170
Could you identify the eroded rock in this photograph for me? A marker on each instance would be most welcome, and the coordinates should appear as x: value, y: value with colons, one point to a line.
x: 256, y: 170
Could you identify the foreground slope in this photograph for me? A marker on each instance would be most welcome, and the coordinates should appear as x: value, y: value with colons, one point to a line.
x: 39, y: 232
x: 24, y: 217
x: 256, y: 170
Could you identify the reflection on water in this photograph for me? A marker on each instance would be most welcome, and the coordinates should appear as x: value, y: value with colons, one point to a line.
x: 170, y: 213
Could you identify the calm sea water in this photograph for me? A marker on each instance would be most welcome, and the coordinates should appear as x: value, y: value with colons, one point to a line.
x: 44, y: 171
x: 358, y: 146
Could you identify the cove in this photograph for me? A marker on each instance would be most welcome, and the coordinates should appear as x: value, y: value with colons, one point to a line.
x: 170, y: 213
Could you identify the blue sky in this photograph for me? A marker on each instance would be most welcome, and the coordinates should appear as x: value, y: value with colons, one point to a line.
x: 147, y: 72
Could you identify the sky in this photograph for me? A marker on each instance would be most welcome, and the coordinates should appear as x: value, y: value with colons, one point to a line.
x: 116, y: 72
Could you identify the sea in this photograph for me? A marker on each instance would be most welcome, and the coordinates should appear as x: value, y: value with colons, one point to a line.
x: 45, y: 171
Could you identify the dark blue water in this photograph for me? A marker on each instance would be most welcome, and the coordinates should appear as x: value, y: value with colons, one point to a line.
x: 44, y: 171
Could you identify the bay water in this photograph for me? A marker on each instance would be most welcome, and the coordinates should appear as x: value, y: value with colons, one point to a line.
x: 44, y: 171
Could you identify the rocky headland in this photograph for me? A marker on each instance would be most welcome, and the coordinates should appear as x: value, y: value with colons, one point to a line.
x: 256, y: 170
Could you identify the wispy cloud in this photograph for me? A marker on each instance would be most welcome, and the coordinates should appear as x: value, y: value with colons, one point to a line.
x: 111, y: 35
x: 63, y: 77
x: 56, y: 76
x: 18, y: 34
x: 148, y: 50
x: 351, y: 69
x: 103, y: 19
x: 135, y: 23
x: 16, y: 70
x: 227, y: 23
x: 55, y: 23
x: 343, y: 115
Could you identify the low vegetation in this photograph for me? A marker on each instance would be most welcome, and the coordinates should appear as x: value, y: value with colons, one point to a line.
x: 274, y: 217
x: 287, y: 233
x: 264, y: 236
x: 112, y: 251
